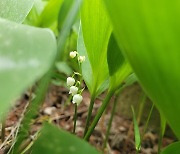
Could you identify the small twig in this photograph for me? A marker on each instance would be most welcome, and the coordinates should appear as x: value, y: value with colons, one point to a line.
x: 19, y: 123
x: 3, y: 129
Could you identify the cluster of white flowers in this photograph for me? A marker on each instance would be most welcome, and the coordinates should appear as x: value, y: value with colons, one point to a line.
x: 73, y: 54
x: 77, y: 98
x: 73, y: 90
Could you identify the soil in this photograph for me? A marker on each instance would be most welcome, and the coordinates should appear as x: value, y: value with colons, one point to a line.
x: 57, y: 109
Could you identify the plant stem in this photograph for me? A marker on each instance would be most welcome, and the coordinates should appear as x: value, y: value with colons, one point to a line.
x: 161, y: 132
x: 110, y: 120
x: 89, y: 114
x: 141, y: 107
x: 99, y: 114
x: 147, y: 121
x: 75, y: 118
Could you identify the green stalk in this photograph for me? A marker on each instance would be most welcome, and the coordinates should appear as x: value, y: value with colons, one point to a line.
x: 141, y: 107
x: 89, y: 114
x: 99, y: 114
x: 147, y: 121
x: 161, y: 132
x: 110, y: 120
x: 75, y: 117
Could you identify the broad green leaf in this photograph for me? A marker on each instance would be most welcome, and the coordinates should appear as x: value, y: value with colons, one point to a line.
x: 15, y: 10
x: 26, y: 53
x: 148, y: 33
x: 136, y: 131
x: 66, y: 6
x: 87, y: 71
x: 33, y: 16
x: 118, y: 66
x: 96, y: 30
x: 39, y: 5
x: 49, y: 16
x: 173, y: 148
x: 85, y: 66
x: 57, y: 141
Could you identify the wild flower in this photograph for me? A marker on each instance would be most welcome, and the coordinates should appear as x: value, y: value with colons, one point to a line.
x: 70, y: 81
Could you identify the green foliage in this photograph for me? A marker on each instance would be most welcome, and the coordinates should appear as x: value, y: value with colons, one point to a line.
x: 136, y: 131
x: 57, y: 141
x: 85, y: 66
x: 15, y: 10
x: 118, y: 66
x: 66, y: 6
x: 129, y: 80
x: 173, y: 148
x: 49, y: 16
x: 67, y: 25
x: 161, y: 132
x: 25, y: 55
x: 43, y: 84
x: 145, y: 32
x: 96, y: 30
x: 148, y: 33
x: 63, y: 67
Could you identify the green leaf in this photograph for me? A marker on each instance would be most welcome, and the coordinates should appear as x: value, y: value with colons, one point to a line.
x: 148, y: 33
x: 96, y: 30
x: 15, y: 10
x: 173, y: 148
x: 130, y: 80
x: 33, y: 16
x: 66, y: 6
x: 136, y: 131
x: 49, y: 16
x: 63, y: 67
x: 26, y: 53
x: 66, y: 27
x: 85, y: 66
x: 57, y: 141
x: 87, y: 71
x: 118, y: 66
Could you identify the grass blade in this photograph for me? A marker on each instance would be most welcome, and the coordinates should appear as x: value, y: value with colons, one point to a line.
x: 136, y: 132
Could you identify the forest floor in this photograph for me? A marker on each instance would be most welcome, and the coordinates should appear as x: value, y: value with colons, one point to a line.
x: 59, y: 111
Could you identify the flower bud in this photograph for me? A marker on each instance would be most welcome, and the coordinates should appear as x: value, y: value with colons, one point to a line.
x: 70, y: 81
x: 73, y: 90
x: 81, y: 59
x: 77, y: 99
x: 73, y: 54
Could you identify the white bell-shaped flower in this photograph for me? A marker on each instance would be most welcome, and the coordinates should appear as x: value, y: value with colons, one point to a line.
x: 77, y: 99
x: 81, y: 59
x: 70, y: 81
x: 73, y: 54
x: 73, y: 90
